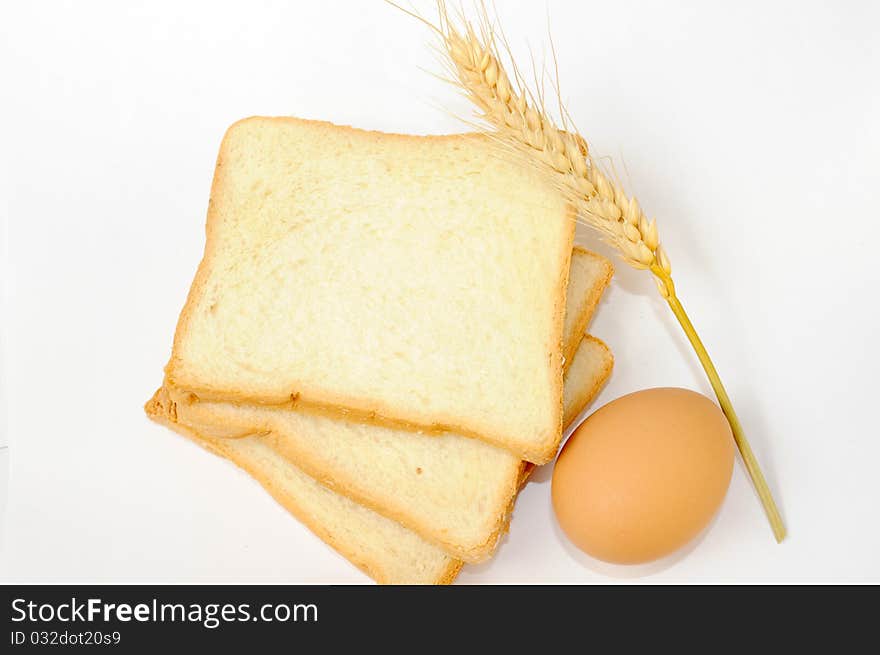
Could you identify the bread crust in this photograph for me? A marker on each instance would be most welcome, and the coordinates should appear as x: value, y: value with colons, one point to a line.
x: 541, y: 449
x: 587, y: 395
x: 305, y: 459
x: 593, y: 298
x: 584, y: 399
x: 470, y: 553
x: 159, y: 410
x: 546, y: 451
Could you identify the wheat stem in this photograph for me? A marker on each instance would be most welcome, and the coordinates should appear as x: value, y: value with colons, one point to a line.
x: 742, y: 443
x: 518, y: 121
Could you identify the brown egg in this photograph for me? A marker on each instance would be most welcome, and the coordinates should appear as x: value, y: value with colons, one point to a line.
x: 643, y: 475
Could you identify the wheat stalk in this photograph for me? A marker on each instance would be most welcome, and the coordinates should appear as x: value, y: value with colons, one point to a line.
x: 517, y: 120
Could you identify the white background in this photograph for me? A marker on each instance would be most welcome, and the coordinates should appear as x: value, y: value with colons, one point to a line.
x: 748, y: 129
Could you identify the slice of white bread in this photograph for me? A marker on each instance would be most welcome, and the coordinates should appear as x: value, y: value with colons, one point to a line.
x: 382, y: 548
x: 406, y: 280
x: 453, y: 490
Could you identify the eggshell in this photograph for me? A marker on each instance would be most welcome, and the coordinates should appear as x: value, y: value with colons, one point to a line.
x: 643, y: 475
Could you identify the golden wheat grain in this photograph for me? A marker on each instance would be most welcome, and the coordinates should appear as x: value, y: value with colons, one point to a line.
x: 519, y: 122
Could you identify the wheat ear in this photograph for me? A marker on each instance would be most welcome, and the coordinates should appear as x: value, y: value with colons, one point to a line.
x: 517, y: 119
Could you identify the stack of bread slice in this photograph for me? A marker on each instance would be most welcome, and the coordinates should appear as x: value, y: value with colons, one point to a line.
x: 378, y: 333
